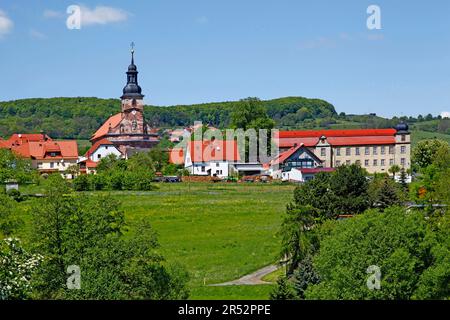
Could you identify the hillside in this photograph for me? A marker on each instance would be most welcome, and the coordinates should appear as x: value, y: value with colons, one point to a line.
x: 80, y: 117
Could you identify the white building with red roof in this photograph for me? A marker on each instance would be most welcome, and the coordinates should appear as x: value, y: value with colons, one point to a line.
x: 376, y: 150
x: 211, y: 158
x: 46, y: 155
x: 99, y: 150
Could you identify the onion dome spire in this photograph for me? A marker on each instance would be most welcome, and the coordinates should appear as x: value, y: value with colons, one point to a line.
x: 132, y: 90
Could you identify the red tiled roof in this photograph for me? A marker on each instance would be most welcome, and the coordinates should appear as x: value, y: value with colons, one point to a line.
x: 41, y: 150
x: 112, y: 122
x: 336, y: 133
x: 367, y: 140
x: 96, y: 145
x: 18, y: 138
x: 284, y: 155
x: 217, y: 150
x: 337, y: 137
x: 289, y: 142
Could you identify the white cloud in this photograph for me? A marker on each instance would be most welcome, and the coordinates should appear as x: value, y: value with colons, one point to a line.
x: 53, y: 14
x: 445, y: 114
x: 6, y: 24
x: 102, y: 15
x: 37, y: 34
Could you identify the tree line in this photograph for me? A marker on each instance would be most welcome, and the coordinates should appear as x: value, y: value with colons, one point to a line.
x: 400, y: 231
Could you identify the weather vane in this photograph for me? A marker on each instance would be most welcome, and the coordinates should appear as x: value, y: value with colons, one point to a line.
x: 132, y: 47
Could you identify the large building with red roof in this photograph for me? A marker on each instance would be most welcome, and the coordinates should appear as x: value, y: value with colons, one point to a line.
x: 376, y: 150
x: 128, y: 130
x: 46, y: 155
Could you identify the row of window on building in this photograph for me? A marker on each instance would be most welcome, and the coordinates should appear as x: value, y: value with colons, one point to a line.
x: 375, y: 162
x: 367, y: 150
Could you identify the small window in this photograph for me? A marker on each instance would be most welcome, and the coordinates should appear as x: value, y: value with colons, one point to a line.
x: 348, y: 151
x: 366, y: 163
x: 403, y: 161
x: 367, y: 151
x: 403, y: 138
x: 52, y: 164
x: 391, y: 162
x: 357, y: 151
x: 403, y: 149
x: 338, y: 151
x: 347, y: 162
x: 323, y: 152
x: 358, y: 162
x: 383, y: 162
x: 338, y: 163
x: 203, y: 169
x: 375, y: 162
x: 99, y: 156
x: 391, y: 149
x: 375, y: 150
x: 217, y: 164
x: 383, y: 150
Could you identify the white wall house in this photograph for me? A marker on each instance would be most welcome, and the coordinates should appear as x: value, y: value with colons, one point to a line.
x: 98, y: 151
x: 211, y: 158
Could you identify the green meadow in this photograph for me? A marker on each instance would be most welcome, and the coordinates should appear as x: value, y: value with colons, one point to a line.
x: 218, y: 232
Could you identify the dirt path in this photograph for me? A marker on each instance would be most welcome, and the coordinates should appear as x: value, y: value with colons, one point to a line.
x: 250, y: 279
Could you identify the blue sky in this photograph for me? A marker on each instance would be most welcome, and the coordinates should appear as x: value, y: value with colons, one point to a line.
x: 202, y: 51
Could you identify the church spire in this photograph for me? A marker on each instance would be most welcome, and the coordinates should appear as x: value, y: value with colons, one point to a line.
x: 132, y: 90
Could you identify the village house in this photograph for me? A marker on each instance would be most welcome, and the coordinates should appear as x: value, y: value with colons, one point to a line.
x: 376, y: 150
x: 214, y: 158
x: 99, y: 150
x: 46, y: 155
x: 297, y: 164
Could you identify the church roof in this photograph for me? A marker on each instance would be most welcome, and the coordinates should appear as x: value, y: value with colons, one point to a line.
x: 111, y: 122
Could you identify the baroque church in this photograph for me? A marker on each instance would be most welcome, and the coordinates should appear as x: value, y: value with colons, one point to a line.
x: 128, y: 130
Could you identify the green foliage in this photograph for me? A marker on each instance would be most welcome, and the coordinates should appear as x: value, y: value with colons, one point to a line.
x: 9, y: 221
x: 384, y: 192
x: 431, y: 186
x: 283, y: 290
x: 87, y: 231
x: 348, y: 187
x: 305, y: 275
x: 15, y: 168
x: 409, y: 254
x: 80, y: 117
x: 424, y: 153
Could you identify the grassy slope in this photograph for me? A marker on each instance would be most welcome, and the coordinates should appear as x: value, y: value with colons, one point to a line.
x: 219, y: 232
x: 417, y: 135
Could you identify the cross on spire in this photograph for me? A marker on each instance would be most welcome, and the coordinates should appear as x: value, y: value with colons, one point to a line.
x: 132, y: 52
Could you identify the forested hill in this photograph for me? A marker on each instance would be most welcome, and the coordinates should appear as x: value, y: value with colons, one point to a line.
x: 80, y: 117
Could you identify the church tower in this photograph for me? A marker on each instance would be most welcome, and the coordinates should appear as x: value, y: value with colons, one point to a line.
x: 132, y: 102
x: 128, y: 130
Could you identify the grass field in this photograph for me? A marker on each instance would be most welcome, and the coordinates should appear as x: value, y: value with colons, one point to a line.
x: 219, y: 232
x: 416, y: 136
